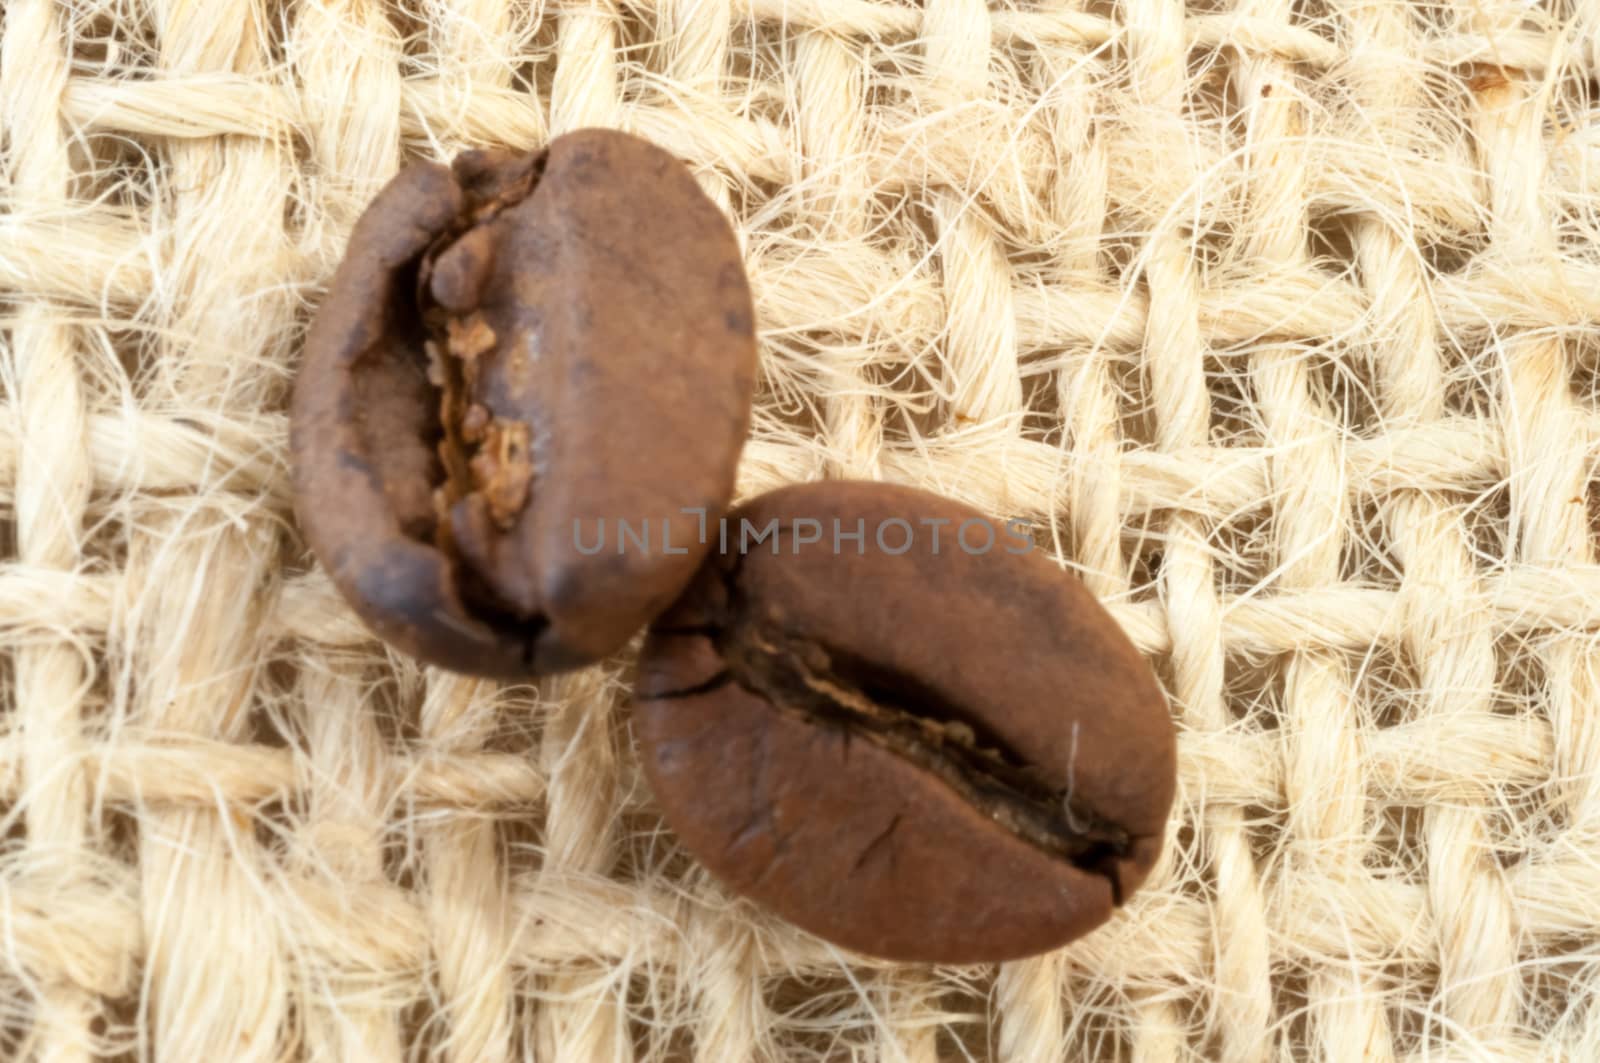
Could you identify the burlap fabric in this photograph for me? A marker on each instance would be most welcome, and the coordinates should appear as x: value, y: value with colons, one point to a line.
x: 1276, y: 319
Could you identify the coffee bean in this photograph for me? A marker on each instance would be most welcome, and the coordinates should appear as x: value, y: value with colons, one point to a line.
x: 945, y: 754
x: 515, y: 348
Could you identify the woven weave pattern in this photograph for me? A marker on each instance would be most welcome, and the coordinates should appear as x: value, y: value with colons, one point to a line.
x: 1275, y: 319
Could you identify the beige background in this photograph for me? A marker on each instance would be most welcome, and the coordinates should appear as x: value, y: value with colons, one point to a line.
x: 1277, y: 318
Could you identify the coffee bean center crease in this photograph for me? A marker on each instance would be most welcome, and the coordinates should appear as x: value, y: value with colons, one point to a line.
x: 831, y: 688
x: 484, y: 458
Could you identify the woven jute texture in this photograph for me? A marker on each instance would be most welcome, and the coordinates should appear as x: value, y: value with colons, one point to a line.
x: 1275, y: 319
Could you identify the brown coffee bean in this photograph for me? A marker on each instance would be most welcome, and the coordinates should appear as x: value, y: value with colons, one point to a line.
x: 946, y: 754
x: 513, y: 349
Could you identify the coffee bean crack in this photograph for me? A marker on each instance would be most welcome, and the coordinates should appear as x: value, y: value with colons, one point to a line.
x: 829, y: 688
x: 480, y: 453
x: 485, y: 459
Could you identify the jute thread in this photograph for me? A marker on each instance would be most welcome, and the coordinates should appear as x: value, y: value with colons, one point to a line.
x: 1276, y: 320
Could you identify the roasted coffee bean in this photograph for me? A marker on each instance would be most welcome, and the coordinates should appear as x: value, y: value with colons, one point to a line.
x: 515, y: 348
x: 901, y: 728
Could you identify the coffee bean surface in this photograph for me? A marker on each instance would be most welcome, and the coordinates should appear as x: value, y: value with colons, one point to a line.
x: 518, y: 352
x: 943, y: 754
